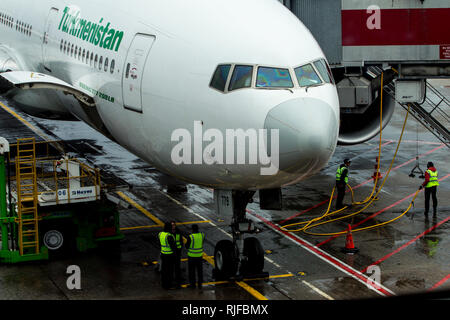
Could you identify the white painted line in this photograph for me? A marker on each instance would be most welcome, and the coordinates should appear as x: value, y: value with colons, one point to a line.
x: 317, y: 290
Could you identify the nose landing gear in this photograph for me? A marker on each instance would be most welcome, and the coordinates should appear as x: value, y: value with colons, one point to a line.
x: 240, y: 257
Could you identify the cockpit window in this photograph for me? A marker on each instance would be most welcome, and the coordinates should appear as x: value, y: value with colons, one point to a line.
x: 273, y: 78
x: 220, y: 77
x: 307, y: 76
x: 242, y: 77
x: 322, y: 68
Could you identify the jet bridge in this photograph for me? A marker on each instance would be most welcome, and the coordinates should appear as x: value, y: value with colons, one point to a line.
x: 363, y: 38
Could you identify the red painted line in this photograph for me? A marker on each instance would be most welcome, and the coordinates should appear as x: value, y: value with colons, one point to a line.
x: 439, y: 283
x: 361, y: 184
x: 397, y: 27
x: 377, y: 213
x: 408, y: 243
x: 420, y: 156
x: 322, y: 254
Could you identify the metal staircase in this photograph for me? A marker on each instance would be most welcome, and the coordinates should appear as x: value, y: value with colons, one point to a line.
x: 27, y: 197
x: 433, y: 114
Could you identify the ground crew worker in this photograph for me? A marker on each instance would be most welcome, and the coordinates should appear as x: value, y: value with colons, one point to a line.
x: 431, y: 182
x: 341, y: 182
x: 194, y: 244
x: 177, y: 265
x: 168, y: 249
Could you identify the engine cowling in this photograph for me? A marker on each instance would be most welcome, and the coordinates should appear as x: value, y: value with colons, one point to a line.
x: 360, y: 102
x: 357, y: 128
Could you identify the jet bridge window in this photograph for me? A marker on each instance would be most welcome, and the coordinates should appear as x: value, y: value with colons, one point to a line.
x: 242, y: 77
x: 307, y: 76
x: 273, y: 78
x: 220, y: 77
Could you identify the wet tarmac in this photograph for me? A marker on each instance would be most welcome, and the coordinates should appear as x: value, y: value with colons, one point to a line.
x: 411, y: 255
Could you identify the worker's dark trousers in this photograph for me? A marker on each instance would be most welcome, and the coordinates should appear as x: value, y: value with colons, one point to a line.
x: 177, y: 267
x: 430, y: 192
x: 340, y: 194
x: 167, y: 266
x: 195, y: 266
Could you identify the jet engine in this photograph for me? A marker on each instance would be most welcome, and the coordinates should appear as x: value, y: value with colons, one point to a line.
x: 360, y: 102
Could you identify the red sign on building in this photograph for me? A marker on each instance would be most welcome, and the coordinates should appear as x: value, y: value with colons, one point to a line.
x: 444, y: 51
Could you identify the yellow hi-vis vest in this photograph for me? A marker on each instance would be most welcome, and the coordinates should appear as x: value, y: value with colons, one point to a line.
x: 163, y: 239
x: 339, y: 172
x: 196, y: 246
x: 178, y: 240
x: 433, y: 179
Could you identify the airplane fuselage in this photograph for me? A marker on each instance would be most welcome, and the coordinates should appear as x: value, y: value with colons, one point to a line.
x: 149, y: 67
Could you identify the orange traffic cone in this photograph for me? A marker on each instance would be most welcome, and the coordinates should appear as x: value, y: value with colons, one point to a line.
x: 349, y: 245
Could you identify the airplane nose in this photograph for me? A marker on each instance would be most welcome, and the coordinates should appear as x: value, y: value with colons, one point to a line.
x: 308, y: 129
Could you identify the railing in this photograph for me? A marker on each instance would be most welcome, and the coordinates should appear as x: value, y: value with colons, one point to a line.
x: 433, y: 113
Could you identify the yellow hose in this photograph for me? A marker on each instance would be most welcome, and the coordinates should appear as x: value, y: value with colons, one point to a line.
x: 309, y: 224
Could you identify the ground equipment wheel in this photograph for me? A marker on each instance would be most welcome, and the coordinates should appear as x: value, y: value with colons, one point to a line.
x: 53, y: 239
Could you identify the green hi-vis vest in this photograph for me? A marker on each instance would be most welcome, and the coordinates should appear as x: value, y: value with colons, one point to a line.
x: 196, y: 246
x: 433, y: 179
x: 163, y: 239
x: 178, y: 240
x: 339, y: 172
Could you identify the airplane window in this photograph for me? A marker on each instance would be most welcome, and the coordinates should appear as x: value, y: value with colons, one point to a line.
x: 79, y: 53
x: 113, y: 64
x: 100, y: 64
x: 83, y: 57
x: 61, y: 46
x: 321, y: 67
x: 273, y: 78
x: 220, y: 77
x: 106, y: 65
x: 65, y: 46
x: 76, y: 51
x: 242, y: 77
x: 330, y: 73
x: 95, y: 61
x: 92, y: 58
x: 307, y: 76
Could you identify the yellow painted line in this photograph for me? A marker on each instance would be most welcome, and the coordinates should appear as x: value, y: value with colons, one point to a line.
x: 182, y: 260
x: 157, y: 226
x: 25, y: 122
x: 250, y: 290
x: 36, y: 130
x: 226, y: 282
x: 140, y: 208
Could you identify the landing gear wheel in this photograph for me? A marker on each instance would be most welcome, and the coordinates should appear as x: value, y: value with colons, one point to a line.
x: 225, y: 259
x: 255, y: 257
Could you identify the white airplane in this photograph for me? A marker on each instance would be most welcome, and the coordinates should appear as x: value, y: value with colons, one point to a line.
x: 153, y: 74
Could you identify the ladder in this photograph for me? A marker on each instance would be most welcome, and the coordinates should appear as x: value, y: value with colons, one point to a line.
x: 27, y: 196
x: 433, y: 114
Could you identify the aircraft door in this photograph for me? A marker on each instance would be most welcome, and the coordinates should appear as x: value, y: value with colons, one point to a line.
x: 134, y: 69
x: 50, y: 25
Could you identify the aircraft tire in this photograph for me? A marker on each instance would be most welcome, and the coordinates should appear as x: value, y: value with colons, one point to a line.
x: 225, y: 259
